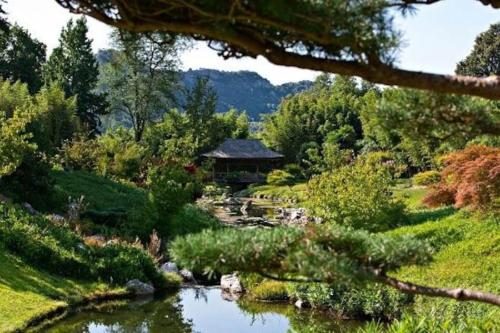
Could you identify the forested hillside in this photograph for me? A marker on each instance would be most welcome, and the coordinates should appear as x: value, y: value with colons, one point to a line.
x: 254, y: 94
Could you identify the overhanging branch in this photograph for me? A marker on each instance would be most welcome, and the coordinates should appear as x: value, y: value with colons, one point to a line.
x: 459, y: 294
x: 249, y: 32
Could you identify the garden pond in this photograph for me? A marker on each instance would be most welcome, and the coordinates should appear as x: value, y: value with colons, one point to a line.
x: 198, y: 310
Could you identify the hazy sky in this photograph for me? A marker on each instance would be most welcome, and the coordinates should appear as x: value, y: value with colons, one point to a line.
x: 436, y: 38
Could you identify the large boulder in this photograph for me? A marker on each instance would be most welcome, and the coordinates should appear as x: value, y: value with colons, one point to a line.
x: 232, y: 284
x: 140, y: 288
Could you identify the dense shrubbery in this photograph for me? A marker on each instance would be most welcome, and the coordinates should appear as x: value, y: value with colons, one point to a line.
x: 57, y: 249
x: 280, y: 177
x: 119, y: 155
x: 374, y: 301
x: 79, y: 154
x: 119, y: 263
x: 171, y: 187
x: 426, y: 178
x: 358, y: 196
x: 470, y: 178
x: 42, y: 244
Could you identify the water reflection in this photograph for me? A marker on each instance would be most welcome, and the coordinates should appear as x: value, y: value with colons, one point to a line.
x: 197, y: 311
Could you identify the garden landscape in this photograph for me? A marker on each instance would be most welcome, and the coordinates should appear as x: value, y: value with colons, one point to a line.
x: 321, y: 187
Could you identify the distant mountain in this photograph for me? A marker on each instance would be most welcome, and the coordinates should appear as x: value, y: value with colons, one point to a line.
x: 244, y: 90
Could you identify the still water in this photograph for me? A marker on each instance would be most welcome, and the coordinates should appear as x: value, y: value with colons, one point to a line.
x: 198, y: 310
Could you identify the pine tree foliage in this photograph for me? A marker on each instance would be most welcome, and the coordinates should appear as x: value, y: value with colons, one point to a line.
x: 74, y: 67
x: 21, y: 57
x: 328, y: 253
x: 484, y: 60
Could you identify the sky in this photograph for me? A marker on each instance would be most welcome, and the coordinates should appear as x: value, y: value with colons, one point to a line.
x: 435, y: 39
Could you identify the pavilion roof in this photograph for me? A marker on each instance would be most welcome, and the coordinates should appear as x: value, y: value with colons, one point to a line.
x: 243, y: 149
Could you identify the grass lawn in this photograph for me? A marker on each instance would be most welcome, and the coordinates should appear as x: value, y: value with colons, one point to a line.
x: 467, y: 254
x: 101, y: 194
x: 27, y: 293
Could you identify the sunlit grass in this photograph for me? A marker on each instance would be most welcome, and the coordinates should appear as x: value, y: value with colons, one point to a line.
x: 27, y: 293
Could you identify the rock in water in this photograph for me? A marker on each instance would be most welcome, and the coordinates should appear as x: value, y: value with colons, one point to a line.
x: 300, y: 304
x: 140, y: 288
x: 169, y: 267
x: 187, y: 276
x: 232, y: 284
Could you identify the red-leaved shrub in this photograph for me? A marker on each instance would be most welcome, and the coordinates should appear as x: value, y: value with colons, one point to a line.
x: 471, y: 177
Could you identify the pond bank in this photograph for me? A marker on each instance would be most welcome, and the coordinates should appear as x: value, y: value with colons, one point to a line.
x: 30, y: 297
x: 62, y: 311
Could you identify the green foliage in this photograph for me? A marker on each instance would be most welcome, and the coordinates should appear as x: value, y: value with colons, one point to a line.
x: 21, y: 57
x: 171, y: 187
x: 328, y: 157
x: 280, y: 177
x: 79, y: 154
x: 119, y: 155
x: 27, y: 293
x: 296, y: 192
x: 370, y: 302
x: 328, y: 110
x: 73, y: 66
x: 423, y: 324
x: 270, y: 291
x: 358, y: 196
x: 14, y: 117
x: 59, y: 250
x: 484, y: 59
x: 172, y: 281
x: 119, y: 263
x: 426, y: 178
x: 44, y: 245
x: 331, y: 253
x: 55, y: 120
x: 423, y: 125
x: 467, y: 256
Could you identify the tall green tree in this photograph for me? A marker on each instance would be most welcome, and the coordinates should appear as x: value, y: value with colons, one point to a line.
x: 21, y: 57
x: 201, y: 102
x: 141, y: 77
x: 484, y: 60
x: 329, y: 110
x: 74, y: 67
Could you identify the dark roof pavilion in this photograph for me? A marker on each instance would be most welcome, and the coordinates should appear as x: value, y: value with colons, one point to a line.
x: 243, y: 149
x: 241, y: 161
